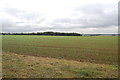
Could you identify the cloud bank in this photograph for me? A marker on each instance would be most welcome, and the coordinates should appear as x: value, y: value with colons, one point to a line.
x: 59, y: 15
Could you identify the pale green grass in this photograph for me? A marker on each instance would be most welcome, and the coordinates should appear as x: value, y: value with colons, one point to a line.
x: 24, y: 66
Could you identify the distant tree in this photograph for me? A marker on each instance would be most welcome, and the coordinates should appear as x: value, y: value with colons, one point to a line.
x: 45, y: 33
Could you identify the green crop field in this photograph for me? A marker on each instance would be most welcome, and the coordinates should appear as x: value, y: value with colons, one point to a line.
x: 96, y: 49
x: 31, y: 56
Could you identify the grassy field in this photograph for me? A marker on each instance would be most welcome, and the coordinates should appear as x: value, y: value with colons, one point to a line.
x: 95, y: 49
x: 24, y: 66
x: 59, y: 56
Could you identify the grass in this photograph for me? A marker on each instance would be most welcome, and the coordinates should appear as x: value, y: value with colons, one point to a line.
x: 87, y: 72
x: 27, y: 56
x: 24, y: 66
x: 97, y: 49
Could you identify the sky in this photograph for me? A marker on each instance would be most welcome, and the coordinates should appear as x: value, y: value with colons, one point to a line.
x: 80, y: 16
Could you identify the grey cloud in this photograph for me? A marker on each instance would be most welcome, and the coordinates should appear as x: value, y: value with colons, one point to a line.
x: 9, y: 26
x: 25, y: 28
x: 27, y: 23
x: 12, y: 11
x: 99, y: 15
x: 94, y: 16
x: 25, y: 14
x: 92, y: 9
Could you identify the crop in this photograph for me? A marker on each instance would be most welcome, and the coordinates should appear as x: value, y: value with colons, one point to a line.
x: 95, y: 49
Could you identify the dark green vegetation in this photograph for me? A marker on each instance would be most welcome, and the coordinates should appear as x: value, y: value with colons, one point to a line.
x: 96, y: 49
x: 45, y: 33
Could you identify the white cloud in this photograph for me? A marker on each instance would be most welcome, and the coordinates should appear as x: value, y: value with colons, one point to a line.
x: 84, y: 16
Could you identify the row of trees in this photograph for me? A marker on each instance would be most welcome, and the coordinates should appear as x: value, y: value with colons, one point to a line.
x: 45, y: 33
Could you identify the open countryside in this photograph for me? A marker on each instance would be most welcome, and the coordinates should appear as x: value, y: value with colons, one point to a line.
x: 59, y: 56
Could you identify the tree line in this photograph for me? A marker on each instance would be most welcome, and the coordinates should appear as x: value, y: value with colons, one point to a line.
x: 45, y: 33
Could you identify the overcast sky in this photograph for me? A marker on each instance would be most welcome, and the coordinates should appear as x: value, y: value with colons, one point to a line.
x: 81, y: 16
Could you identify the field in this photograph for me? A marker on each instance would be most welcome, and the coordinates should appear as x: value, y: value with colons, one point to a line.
x: 80, y: 50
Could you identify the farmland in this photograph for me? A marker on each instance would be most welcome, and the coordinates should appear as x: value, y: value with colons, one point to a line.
x: 93, y: 50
